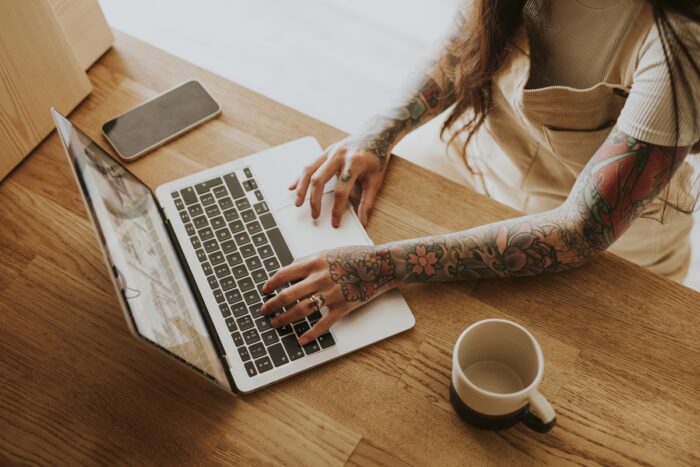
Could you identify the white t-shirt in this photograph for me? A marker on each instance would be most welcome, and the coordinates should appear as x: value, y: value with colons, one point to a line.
x: 580, y: 39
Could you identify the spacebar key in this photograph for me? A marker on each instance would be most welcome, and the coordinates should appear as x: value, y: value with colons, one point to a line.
x: 280, y: 246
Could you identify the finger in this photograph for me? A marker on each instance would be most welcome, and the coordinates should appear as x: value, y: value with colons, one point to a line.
x: 290, y: 295
x: 305, y: 179
x: 369, y: 195
x: 342, y: 190
x: 295, y: 271
x: 321, y: 327
x: 318, y: 182
x: 300, y: 310
x: 294, y: 184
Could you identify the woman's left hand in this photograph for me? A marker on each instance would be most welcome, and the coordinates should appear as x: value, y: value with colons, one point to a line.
x: 341, y: 280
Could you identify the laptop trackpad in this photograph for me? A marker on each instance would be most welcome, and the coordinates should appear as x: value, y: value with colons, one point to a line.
x: 306, y: 236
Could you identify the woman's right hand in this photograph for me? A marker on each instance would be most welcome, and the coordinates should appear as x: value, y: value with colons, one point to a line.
x: 352, y: 160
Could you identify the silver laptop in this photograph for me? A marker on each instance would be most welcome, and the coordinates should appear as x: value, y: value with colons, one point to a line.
x: 188, y: 260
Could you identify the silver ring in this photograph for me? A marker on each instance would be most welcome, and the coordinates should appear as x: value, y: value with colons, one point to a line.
x: 315, y: 301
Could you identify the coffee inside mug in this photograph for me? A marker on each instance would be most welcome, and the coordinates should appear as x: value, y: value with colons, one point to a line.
x: 499, y: 358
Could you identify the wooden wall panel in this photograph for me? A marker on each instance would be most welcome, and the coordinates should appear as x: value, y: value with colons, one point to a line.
x: 37, y: 70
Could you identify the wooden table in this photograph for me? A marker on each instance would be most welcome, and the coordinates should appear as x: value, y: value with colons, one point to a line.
x: 620, y: 344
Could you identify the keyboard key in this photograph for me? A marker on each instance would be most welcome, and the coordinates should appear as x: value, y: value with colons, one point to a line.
x: 213, y: 283
x: 211, y: 245
x: 227, y: 283
x: 242, y: 204
x: 326, y: 340
x: 219, y: 296
x: 253, y: 263
x: 223, y: 234
x: 245, y: 322
x: 234, y: 259
x: 284, y: 330
x: 247, y: 186
x: 279, y: 357
x: 311, y: 347
x: 208, y: 185
x: 259, y: 276
x: 201, y: 256
x: 293, y: 348
x: 200, y: 222
x: 271, y: 264
x: 251, y: 297
x: 250, y: 369
x: 179, y: 205
x: 261, y: 208
x: 195, y: 210
x: 263, y: 364
x: 184, y: 217
x: 248, y: 250
x: 231, y: 323
x: 231, y: 215
x: 237, y: 339
x: 212, y: 211
x: 236, y: 226
x: 189, y: 228
x: 188, y: 195
x: 265, y: 251
x: 243, y: 352
x: 270, y: 337
x: 247, y: 172
x: 216, y: 258
x: 195, y: 242
x: 218, y: 222
x: 241, y: 238
x: 206, y: 233
x: 224, y: 309
x: 246, y: 284
x: 234, y: 185
x: 233, y: 296
x: 220, y: 191
x: 207, y: 199
x: 280, y: 246
x: 221, y: 270
x: 239, y: 271
x: 314, y: 317
x: 267, y: 221
x: 301, y: 327
x: 226, y: 203
x: 251, y: 336
x: 254, y: 227
x: 258, y: 195
x: 239, y: 309
x: 257, y: 350
x: 206, y: 267
x: 255, y: 309
x: 228, y: 247
x: 259, y: 239
x: 263, y: 324
x: 248, y: 215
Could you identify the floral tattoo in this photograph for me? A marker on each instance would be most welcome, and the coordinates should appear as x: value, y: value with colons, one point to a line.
x: 423, y: 259
x: 361, y: 271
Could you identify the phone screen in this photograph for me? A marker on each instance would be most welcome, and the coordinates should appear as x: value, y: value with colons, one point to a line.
x: 160, y: 119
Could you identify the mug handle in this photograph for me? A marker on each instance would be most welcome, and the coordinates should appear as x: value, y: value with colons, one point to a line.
x: 539, y: 416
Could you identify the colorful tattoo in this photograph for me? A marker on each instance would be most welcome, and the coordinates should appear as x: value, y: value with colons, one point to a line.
x: 361, y: 271
x: 623, y: 177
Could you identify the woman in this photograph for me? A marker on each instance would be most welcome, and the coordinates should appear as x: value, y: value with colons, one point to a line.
x: 578, y: 113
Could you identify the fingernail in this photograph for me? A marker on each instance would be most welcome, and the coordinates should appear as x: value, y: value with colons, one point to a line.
x: 303, y: 340
x: 264, y: 287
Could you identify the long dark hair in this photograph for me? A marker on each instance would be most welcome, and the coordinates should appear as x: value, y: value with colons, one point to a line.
x: 489, y: 26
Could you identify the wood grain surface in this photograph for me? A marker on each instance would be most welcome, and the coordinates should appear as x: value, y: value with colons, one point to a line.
x: 38, y: 70
x: 621, y: 345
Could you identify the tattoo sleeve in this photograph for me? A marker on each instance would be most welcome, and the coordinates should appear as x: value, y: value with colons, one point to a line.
x: 429, y: 93
x: 621, y: 178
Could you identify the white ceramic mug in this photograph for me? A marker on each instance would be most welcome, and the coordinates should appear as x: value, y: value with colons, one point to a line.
x: 497, y: 367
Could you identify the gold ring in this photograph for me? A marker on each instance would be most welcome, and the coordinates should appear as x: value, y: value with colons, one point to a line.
x: 315, y: 301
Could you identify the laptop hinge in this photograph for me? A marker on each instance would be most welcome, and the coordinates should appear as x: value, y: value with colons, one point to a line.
x: 218, y: 346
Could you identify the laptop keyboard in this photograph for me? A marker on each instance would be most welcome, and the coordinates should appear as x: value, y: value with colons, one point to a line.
x: 239, y: 245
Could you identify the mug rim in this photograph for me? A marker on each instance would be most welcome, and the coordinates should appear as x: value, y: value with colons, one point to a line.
x: 538, y: 351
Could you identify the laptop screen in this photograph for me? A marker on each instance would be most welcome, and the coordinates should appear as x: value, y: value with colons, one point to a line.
x: 132, y: 233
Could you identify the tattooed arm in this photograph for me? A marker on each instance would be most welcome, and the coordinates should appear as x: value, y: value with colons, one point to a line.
x: 622, y: 177
x: 363, y: 156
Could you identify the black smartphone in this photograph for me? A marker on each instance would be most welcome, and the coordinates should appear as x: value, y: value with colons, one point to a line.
x: 160, y: 119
